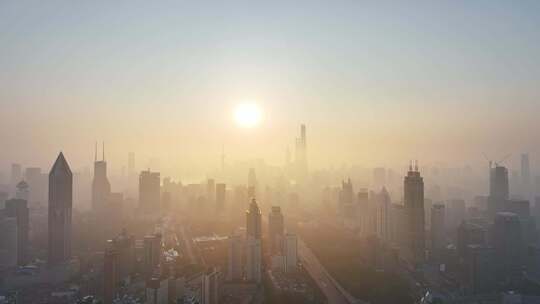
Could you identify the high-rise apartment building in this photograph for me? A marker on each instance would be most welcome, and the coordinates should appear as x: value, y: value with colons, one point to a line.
x: 60, y: 208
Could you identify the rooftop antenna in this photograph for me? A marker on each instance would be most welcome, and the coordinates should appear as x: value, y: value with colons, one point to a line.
x: 416, y: 165
x: 103, y: 151
x: 95, y: 153
x: 410, y: 165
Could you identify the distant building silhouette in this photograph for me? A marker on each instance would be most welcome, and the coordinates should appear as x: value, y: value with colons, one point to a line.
x: 414, y: 209
x: 60, y: 206
x: 210, y: 287
x: 499, y: 191
x: 383, y: 215
x: 9, y: 242
x: 110, y: 275
x: 438, y: 232
x: 18, y: 208
x: 300, y: 160
x: 509, y: 246
x: 235, y: 253
x: 149, y: 191
x: 253, y: 243
x: 253, y: 220
x: 101, y: 188
x: 276, y: 230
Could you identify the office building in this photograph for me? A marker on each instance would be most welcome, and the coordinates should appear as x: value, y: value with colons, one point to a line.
x: 110, y: 275
x: 210, y: 287
x: 509, y: 246
x: 18, y: 208
x: 414, y: 209
x: 253, y: 260
x: 469, y: 233
x: 152, y: 253
x: 438, y: 232
x: 235, y: 266
x: 253, y: 221
x: 383, y: 205
x: 276, y: 230
x: 290, y: 251
x: 498, y: 190
x: 149, y: 192
x: 479, y: 271
x: 101, y: 188
x: 8, y: 241
x: 60, y: 208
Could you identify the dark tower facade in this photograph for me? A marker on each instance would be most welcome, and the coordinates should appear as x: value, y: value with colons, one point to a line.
x: 101, y: 188
x: 253, y: 220
x: 60, y: 204
x: 414, y: 208
x: 499, y: 190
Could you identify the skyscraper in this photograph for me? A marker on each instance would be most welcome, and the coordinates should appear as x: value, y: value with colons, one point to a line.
x: 101, y: 188
x: 210, y: 287
x: 276, y: 229
x: 8, y: 241
x: 290, y: 251
x: 437, y: 228
x: 18, y: 208
x: 110, y: 275
x: 60, y: 205
x: 509, y: 245
x: 253, y: 220
x: 301, y: 154
x: 414, y: 209
x: 149, y: 191
x: 253, y: 243
x: 498, y: 190
x: 235, y: 258
x: 383, y: 215
x: 253, y: 260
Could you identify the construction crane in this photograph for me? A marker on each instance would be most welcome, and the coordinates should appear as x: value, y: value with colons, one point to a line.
x: 497, y: 163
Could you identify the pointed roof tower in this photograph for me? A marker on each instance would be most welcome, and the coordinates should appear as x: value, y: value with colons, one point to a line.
x: 60, y: 166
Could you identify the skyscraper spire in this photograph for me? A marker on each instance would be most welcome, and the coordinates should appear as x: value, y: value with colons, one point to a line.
x: 103, y: 158
x: 95, y: 153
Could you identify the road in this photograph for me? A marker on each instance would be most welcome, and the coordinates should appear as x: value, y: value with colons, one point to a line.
x: 331, y: 289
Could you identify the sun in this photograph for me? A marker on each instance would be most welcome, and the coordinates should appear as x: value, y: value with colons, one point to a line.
x: 248, y: 115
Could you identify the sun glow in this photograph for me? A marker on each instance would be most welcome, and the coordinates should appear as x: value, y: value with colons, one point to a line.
x: 248, y: 115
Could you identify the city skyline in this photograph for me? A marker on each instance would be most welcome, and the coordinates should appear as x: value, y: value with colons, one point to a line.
x: 383, y: 83
x: 315, y: 152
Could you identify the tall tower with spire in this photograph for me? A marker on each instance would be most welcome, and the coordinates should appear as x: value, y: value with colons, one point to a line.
x: 60, y: 206
x: 101, y: 188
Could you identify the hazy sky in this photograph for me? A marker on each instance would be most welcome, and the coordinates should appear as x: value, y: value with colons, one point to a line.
x: 376, y: 83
